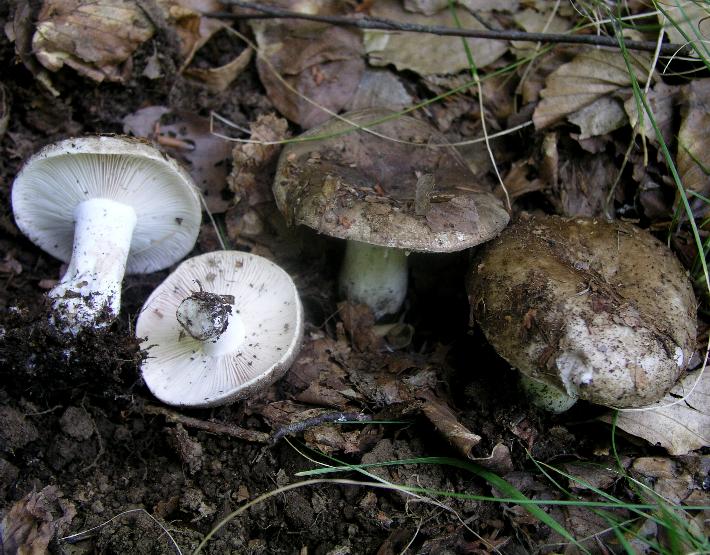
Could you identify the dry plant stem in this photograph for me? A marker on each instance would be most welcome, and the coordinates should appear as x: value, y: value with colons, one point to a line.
x: 207, y: 426
x: 367, y: 22
x: 303, y: 425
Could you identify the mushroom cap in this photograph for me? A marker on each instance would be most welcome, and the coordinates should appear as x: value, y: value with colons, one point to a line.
x: 62, y: 175
x: 178, y: 371
x: 356, y: 185
x: 601, y: 310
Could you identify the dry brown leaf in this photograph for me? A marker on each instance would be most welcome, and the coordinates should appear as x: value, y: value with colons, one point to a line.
x: 661, y: 98
x: 602, y: 116
x: 693, y: 156
x: 443, y: 419
x: 96, y: 38
x: 380, y: 87
x: 31, y: 523
x: 322, y: 62
x: 253, y: 164
x: 685, y: 18
x: 680, y: 428
x: 427, y: 54
x: 188, y: 139
x: 217, y: 79
x: 589, y: 76
x: 429, y: 7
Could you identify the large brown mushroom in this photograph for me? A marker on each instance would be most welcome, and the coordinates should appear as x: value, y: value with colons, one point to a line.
x: 597, y: 310
x: 394, y: 187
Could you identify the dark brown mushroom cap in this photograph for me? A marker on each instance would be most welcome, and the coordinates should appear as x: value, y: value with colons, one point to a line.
x: 601, y: 309
x: 356, y: 185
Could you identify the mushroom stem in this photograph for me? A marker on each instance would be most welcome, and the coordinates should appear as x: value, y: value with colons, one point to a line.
x: 89, y: 294
x: 375, y: 276
x: 213, y: 320
x: 546, y: 396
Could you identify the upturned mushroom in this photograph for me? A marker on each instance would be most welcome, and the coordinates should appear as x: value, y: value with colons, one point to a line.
x: 584, y: 308
x: 107, y: 206
x: 395, y: 187
x: 221, y: 327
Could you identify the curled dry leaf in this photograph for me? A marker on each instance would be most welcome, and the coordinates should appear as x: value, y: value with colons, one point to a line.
x: 254, y: 164
x: 661, y: 98
x: 32, y: 522
x: 680, y: 428
x: 188, y: 139
x: 427, y: 54
x: 588, y: 77
x: 96, y: 38
x: 323, y: 63
x: 693, y: 156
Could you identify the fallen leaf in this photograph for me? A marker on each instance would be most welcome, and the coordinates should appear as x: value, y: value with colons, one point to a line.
x: 321, y: 62
x: 380, y: 87
x: 591, y: 75
x: 217, y: 79
x: 685, y: 21
x: 661, y: 98
x: 427, y: 54
x: 681, y: 427
x: 253, y: 164
x: 693, y: 156
x: 602, y: 116
x: 188, y: 139
x: 32, y: 522
x: 95, y: 38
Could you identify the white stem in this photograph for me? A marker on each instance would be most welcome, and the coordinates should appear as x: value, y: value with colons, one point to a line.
x: 375, y: 276
x: 230, y: 340
x: 89, y: 294
x: 546, y: 396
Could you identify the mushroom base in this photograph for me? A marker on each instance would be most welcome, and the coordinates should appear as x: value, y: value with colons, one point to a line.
x: 546, y: 396
x: 89, y: 294
x: 375, y: 276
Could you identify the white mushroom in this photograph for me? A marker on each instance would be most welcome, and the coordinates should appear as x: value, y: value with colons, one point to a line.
x: 105, y: 205
x: 222, y: 326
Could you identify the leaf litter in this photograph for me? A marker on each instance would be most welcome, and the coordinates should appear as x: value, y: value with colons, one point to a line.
x: 425, y: 386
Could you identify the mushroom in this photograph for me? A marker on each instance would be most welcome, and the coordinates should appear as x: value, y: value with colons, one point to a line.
x: 600, y: 311
x: 396, y: 187
x: 106, y: 205
x: 236, y: 334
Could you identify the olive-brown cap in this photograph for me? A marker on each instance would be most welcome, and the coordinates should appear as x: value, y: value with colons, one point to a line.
x: 398, y: 183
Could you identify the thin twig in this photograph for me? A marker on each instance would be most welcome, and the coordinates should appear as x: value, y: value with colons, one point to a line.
x: 303, y: 425
x: 217, y: 428
x: 369, y: 22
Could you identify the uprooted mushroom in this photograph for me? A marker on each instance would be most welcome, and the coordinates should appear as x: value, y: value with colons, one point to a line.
x: 106, y: 206
x: 221, y: 327
x: 584, y: 308
x: 389, y: 184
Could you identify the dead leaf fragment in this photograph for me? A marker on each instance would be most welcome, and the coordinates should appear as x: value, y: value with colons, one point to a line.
x: 187, y: 137
x: 693, y: 156
x: 321, y: 62
x: 427, y: 54
x: 588, y: 77
x: 680, y: 428
x: 253, y: 164
x: 602, y: 116
x: 685, y: 21
x: 96, y: 38
x: 31, y: 523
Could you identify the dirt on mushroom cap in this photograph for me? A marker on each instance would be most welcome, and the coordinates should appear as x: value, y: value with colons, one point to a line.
x: 603, y: 310
x: 353, y: 184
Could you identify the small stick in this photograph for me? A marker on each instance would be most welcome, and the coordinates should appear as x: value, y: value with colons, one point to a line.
x: 369, y: 22
x: 217, y: 428
x: 317, y: 421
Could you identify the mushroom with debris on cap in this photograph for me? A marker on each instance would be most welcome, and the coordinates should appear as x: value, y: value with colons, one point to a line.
x: 394, y: 187
x: 107, y: 206
x: 238, y: 333
x: 589, y: 309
